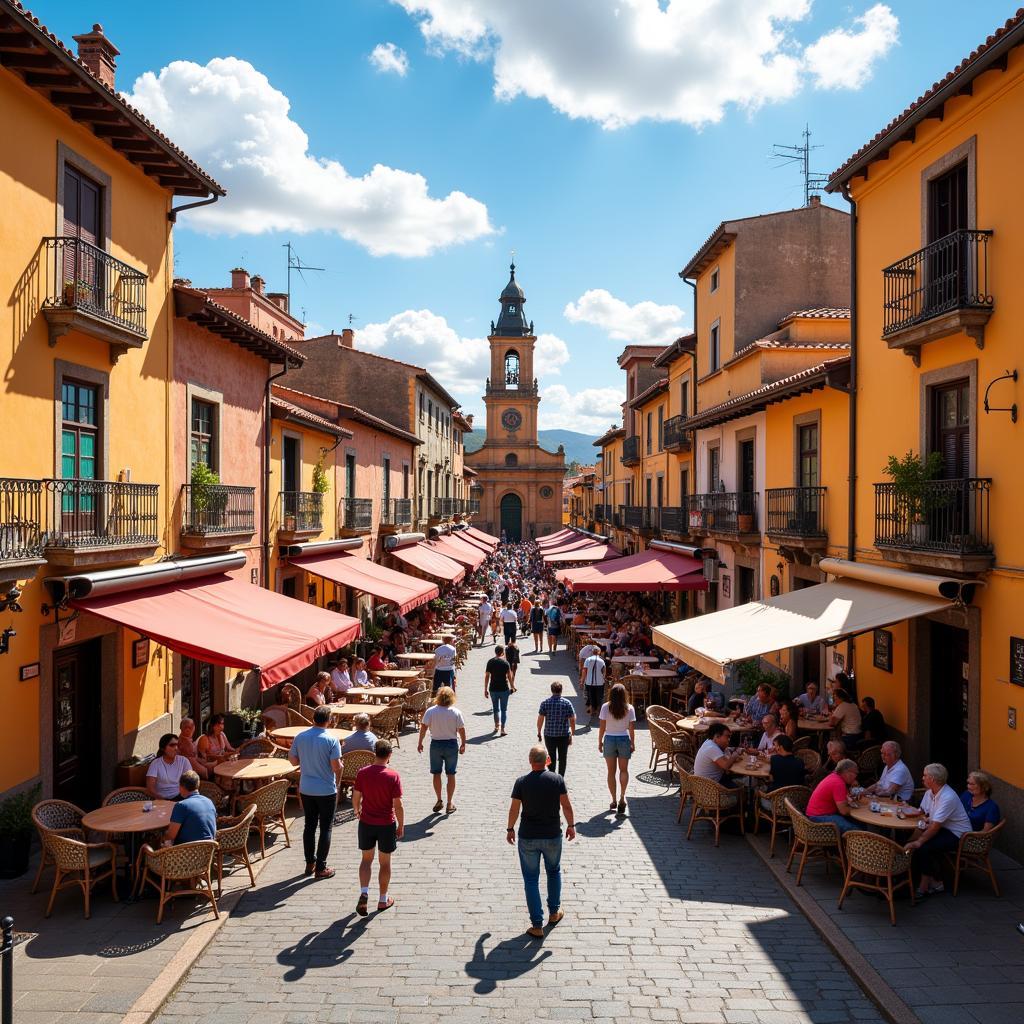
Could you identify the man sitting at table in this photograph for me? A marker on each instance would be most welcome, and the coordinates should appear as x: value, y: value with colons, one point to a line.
x: 872, y: 723
x: 896, y: 779
x: 947, y: 821
x: 830, y: 801
x: 362, y: 738
x: 703, y: 696
x: 810, y: 702
x: 761, y: 704
x: 194, y: 816
x: 770, y: 724
x: 712, y: 761
x: 786, y: 768
x: 341, y: 681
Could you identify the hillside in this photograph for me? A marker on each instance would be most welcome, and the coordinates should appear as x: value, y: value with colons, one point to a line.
x: 577, y: 446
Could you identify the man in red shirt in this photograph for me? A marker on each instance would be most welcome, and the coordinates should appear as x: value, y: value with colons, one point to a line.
x: 377, y: 662
x: 377, y: 801
x: 830, y: 801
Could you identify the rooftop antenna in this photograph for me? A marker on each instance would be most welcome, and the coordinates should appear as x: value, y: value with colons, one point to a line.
x: 295, y: 263
x: 352, y: 318
x: 813, y: 182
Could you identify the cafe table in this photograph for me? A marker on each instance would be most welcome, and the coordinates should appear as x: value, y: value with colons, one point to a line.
x: 659, y: 677
x: 255, y: 769
x: 886, y: 817
x: 632, y: 659
x: 701, y: 723
x: 349, y: 710
x: 287, y: 733
x: 415, y: 656
x: 752, y: 767
x: 132, y: 821
x: 396, y: 673
x: 814, y: 724
x: 377, y: 692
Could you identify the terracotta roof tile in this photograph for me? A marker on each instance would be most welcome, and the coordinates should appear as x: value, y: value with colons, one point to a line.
x: 818, y: 313
x: 297, y: 412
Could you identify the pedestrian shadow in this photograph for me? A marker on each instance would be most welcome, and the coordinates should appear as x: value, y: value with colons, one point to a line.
x: 485, y: 738
x: 600, y: 825
x: 329, y: 948
x: 421, y: 829
x: 481, y: 714
x: 509, y: 959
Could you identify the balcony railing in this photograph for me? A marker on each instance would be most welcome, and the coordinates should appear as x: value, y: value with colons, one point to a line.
x: 217, y: 508
x: 631, y: 450
x: 795, y: 511
x: 302, y: 511
x: 619, y: 516
x: 444, y: 507
x: 21, y: 535
x: 724, y: 512
x: 949, y: 517
x: 633, y: 516
x: 357, y: 514
x: 950, y: 273
x: 472, y: 505
x: 81, y: 276
x: 676, y: 518
x: 396, y: 512
x: 100, y: 513
x: 675, y: 436
x: 599, y: 514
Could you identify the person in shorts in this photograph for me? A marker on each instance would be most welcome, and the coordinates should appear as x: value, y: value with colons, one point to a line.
x: 377, y: 802
x: 444, y: 664
x: 554, y: 618
x: 616, y: 740
x: 537, y: 626
x: 447, y: 730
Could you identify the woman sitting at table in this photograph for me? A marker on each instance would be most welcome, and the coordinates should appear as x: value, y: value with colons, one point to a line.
x: 187, y: 748
x: 359, y: 675
x: 982, y: 810
x: 214, y: 746
x: 788, y: 717
x: 377, y: 662
x: 166, y: 769
x: 830, y: 801
x: 317, y: 693
x: 846, y: 718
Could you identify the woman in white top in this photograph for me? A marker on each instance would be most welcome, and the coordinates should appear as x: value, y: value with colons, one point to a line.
x: 165, y: 770
x: 359, y: 676
x: 616, y: 740
x: 341, y: 681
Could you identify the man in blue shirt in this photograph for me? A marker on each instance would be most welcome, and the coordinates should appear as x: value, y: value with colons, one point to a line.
x: 193, y: 817
x: 557, y: 720
x: 318, y: 754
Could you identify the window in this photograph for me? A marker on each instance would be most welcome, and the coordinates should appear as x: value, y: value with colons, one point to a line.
x: 745, y: 457
x: 661, y: 428
x: 405, y: 481
x: 647, y: 491
x: 714, y: 280
x: 291, y: 463
x: 512, y: 367
x: 80, y: 433
x: 684, y: 397
x: 430, y: 415
x: 947, y: 202
x: 684, y: 485
x: 350, y: 474
x: 83, y: 207
x: 650, y: 416
x: 511, y: 459
x: 807, y: 439
x: 714, y: 468
x: 422, y: 403
x: 951, y: 428
x: 203, y: 445
x: 715, y: 356
x: 386, y: 489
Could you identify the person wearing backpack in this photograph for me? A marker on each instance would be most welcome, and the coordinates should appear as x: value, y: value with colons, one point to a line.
x: 537, y: 617
x: 554, y: 616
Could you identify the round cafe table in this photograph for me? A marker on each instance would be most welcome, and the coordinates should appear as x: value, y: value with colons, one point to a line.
x: 695, y: 723
x: 287, y: 733
x: 415, y: 656
x: 396, y: 673
x: 375, y: 693
x: 350, y: 710
x: 866, y: 816
x: 752, y: 768
x: 255, y: 769
x: 814, y: 724
x: 632, y: 659
x: 131, y: 820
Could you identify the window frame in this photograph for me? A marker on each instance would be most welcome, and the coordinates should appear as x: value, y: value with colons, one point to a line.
x: 95, y: 378
x: 196, y: 392
x: 715, y: 347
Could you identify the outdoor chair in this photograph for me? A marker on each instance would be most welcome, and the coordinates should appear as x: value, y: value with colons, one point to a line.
x: 350, y: 765
x: 219, y: 796
x: 261, y: 746
x: 81, y: 864
x: 771, y: 807
x: 415, y: 706
x: 879, y: 861
x: 663, y: 745
x: 274, y: 718
x: 665, y: 718
x: 813, y: 839
x: 679, y: 698
x: 869, y: 765
x: 715, y: 803
x: 129, y: 795
x: 296, y: 718
x: 685, y: 748
x: 290, y: 696
x: 55, y: 816
x: 684, y: 786
x: 802, y: 742
x: 387, y: 725
x: 917, y: 796
x: 973, y: 851
x: 811, y: 760
x: 233, y: 842
x: 269, y: 802
x: 189, y: 863
x: 639, y: 689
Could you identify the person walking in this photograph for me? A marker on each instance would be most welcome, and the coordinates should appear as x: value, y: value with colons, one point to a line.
x: 616, y: 740
x: 541, y: 798
x: 318, y: 756
x: 483, y: 618
x: 494, y: 621
x: 512, y: 657
x: 509, y: 622
x: 377, y: 802
x: 556, y: 721
x: 554, y: 617
x: 498, y: 686
x: 593, y: 675
x: 444, y: 663
x: 537, y: 619
x: 447, y: 730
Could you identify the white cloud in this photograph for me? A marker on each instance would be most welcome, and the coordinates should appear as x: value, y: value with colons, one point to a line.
x: 845, y: 59
x: 388, y: 58
x: 618, y: 62
x: 644, y: 323
x: 236, y: 125
x: 590, y: 411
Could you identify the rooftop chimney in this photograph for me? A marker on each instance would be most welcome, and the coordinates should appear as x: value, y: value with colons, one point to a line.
x: 239, y: 278
x: 279, y: 299
x: 98, y: 54
x: 347, y: 339
x: 814, y: 201
x: 258, y: 283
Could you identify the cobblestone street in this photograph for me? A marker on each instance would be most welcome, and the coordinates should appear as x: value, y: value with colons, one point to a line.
x: 655, y: 928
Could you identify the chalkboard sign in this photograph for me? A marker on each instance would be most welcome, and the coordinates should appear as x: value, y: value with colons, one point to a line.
x: 882, y: 647
x: 1017, y: 660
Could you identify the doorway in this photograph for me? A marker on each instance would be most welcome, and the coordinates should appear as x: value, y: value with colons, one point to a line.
x: 512, y: 516
x: 805, y: 661
x: 197, y: 692
x: 291, y: 464
x: 950, y: 704
x: 744, y: 584
x: 76, y: 724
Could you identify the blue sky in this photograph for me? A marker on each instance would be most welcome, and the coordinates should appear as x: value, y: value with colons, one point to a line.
x: 584, y: 205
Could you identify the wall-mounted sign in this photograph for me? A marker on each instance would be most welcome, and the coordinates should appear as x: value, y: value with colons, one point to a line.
x: 727, y: 586
x: 882, y: 649
x: 140, y: 652
x: 28, y: 671
x: 774, y: 586
x: 1017, y: 660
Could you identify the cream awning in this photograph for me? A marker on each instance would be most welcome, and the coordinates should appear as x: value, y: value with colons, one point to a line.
x: 860, y: 598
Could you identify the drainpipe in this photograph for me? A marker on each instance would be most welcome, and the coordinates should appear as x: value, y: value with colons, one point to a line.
x: 267, y: 436
x: 693, y: 285
x: 172, y: 214
x: 851, y: 535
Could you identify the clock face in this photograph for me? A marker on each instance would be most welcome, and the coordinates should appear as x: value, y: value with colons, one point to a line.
x: 546, y: 492
x: 511, y: 419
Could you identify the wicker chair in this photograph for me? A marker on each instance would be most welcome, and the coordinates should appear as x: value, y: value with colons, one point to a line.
x: 869, y: 765
x: 802, y: 742
x: 678, y: 697
x: 58, y: 816
x: 813, y: 839
x: 261, y: 746
x: 220, y: 797
x: 811, y: 760
x: 973, y: 851
x: 129, y: 795
x: 274, y: 718
x: 881, y: 861
x: 639, y: 690
x: 388, y: 724
x: 771, y: 807
x: 664, y: 745
x: 269, y: 802
x: 715, y: 803
x: 415, y: 706
x: 296, y: 718
x: 684, y: 785
x: 233, y: 841
x: 291, y: 697
x: 350, y: 765
x: 665, y: 718
x: 81, y: 864
x: 917, y: 796
x: 189, y: 863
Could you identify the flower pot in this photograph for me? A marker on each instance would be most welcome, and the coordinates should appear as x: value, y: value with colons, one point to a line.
x: 289, y: 524
x: 745, y: 523
x: 14, y: 854
x: 918, y: 533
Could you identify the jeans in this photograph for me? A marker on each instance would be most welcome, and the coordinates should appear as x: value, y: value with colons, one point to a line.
x: 499, y: 701
x: 558, y: 751
x: 928, y: 859
x: 843, y: 824
x: 530, y: 853
x: 319, y: 810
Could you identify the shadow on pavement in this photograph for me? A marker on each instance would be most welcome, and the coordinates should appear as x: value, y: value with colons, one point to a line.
x: 509, y: 959
x: 321, y: 949
x: 600, y: 825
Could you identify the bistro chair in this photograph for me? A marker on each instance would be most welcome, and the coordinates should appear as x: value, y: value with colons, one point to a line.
x: 269, y: 802
x: 973, y: 851
x: 274, y: 718
x: 684, y: 785
x: 387, y: 724
x: 663, y: 745
x: 639, y: 689
x: 813, y: 839
x: 55, y: 816
x: 715, y: 803
x: 296, y: 718
x: 771, y: 807
x: 81, y: 864
x: 869, y: 765
x: 811, y: 760
x: 219, y: 796
x: 802, y: 743
x: 415, y: 706
x: 879, y: 861
x: 233, y: 842
x: 261, y: 746
x: 290, y: 696
x: 189, y: 863
x: 129, y: 795
x: 665, y: 718
x: 350, y: 765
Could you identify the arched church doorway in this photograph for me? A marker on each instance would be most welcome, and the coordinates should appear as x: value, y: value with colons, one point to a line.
x: 512, y: 516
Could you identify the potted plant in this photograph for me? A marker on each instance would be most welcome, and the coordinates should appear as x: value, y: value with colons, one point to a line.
x: 321, y: 483
x: 253, y: 719
x: 16, y: 832
x: 914, y: 499
x: 76, y: 292
x: 208, y: 501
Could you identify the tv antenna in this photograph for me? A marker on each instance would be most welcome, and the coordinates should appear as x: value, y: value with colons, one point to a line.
x: 352, y: 318
x: 813, y: 182
x: 295, y: 263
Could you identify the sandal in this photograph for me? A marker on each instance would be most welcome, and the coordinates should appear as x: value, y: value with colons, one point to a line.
x: 438, y: 806
x: 310, y: 868
x: 326, y: 873
x: 364, y: 899
x: 450, y: 809
x: 612, y: 806
x: 381, y: 907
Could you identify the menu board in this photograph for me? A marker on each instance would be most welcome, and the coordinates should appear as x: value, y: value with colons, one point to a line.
x: 1017, y: 660
x: 882, y: 650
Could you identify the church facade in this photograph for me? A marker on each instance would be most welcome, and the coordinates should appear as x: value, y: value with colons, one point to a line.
x: 519, y: 483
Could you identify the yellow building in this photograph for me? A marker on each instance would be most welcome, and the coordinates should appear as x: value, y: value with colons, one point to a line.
x: 609, y: 484
x: 939, y: 241
x: 678, y: 359
x: 650, y: 473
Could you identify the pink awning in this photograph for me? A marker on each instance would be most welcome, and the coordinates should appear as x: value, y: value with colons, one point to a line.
x: 588, y: 553
x: 433, y: 563
x: 485, y: 537
x: 485, y: 546
x: 556, y: 538
x: 357, y: 573
x: 576, y: 543
x: 460, y: 551
x: 648, y: 570
x: 230, y: 622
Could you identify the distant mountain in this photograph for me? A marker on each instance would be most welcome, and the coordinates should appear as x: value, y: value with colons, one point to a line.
x: 577, y: 446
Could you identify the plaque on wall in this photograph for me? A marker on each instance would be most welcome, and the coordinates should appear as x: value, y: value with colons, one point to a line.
x: 881, y: 647
x: 726, y: 586
x: 1017, y: 660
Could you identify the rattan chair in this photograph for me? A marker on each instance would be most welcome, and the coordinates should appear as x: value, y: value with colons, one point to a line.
x: 387, y: 725
x: 290, y: 696
x: 811, y: 760
x: 261, y: 746
x: 638, y: 688
x: 664, y: 745
x: 219, y: 796
x: 802, y: 742
x: 296, y: 718
x: 81, y: 864
x: 878, y: 860
x: 715, y: 803
x: 274, y: 718
x: 684, y: 785
x: 771, y: 807
x: 869, y: 765
x: 269, y: 802
x: 813, y: 839
x: 57, y: 816
x: 129, y: 795
x: 189, y: 863
x: 415, y: 706
x: 233, y: 841
x: 660, y: 714
x: 973, y: 851
x: 350, y: 765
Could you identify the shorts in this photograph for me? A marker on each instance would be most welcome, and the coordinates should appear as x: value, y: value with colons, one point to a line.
x: 383, y: 837
x: 444, y: 754
x: 554, y: 630
x: 443, y: 677
x: 617, y: 746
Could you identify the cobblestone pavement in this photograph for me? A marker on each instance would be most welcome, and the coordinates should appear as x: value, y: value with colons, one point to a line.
x: 656, y: 928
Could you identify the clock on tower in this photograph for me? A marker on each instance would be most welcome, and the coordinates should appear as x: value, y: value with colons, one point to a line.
x: 511, y: 419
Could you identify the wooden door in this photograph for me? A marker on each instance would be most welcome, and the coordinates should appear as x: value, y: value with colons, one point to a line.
x: 76, y: 710
x: 950, y: 705
x: 83, y: 199
x: 197, y: 691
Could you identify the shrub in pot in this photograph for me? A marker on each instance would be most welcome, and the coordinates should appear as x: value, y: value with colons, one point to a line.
x: 16, y: 832
x: 914, y: 499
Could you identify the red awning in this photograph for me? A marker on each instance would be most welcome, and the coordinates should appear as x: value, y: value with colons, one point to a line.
x: 433, y: 563
x: 556, y: 538
x: 485, y: 537
x: 230, y: 622
x: 589, y: 553
x: 398, y: 588
x: 485, y: 546
x: 460, y: 551
x: 575, y: 543
x: 647, y: 570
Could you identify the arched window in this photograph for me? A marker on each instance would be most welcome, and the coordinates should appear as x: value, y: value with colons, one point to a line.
x: 511, y: 367
x: 511, y: 459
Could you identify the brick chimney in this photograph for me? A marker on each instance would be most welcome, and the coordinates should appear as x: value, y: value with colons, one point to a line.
x: 347, y: 339
x: 258, y: 283
x: 98, y: 54
x: 280, y: 299
x: 239, y: 279
x: 814, y: 201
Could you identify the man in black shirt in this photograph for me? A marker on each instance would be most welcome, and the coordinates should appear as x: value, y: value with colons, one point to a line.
x: 872, y: 724
x: 497, y: 685
x: 541, y: 797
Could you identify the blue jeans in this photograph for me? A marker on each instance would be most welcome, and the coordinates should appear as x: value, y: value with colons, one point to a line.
x: 843, y: 824
x: 499, y: 701
x: 530, y: 853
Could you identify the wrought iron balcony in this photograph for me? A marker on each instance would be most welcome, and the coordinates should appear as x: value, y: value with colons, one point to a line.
x: 795, y: 512
x: 396, y: 512
x: 726, y: 512
x: 217, y: 509
x: 21, y: 534
x: 472, y: 506
x: 100, y: 513
x: 444, y: 508
x: 357, y: 514
x: 676, y: 438
x: 519, y: 387
x: 302, y: 511
x: 599, y: 516
x: 676, y: 518
x: 631, y: 450
x: 641, y: 517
